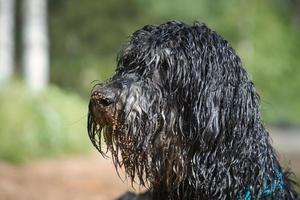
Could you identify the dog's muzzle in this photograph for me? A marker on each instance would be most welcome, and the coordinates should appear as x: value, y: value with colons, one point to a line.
x: 102, y: 106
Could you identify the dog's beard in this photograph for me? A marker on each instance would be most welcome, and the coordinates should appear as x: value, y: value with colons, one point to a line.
x: 143, y: 143
x: 126, y: 149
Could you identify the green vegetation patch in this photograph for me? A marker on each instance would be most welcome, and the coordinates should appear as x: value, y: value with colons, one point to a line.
x: 48, y: 124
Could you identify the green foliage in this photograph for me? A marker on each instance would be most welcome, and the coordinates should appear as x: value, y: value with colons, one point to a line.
x: 272, y: 59
x: 85, y: 37
x: 46, y: 125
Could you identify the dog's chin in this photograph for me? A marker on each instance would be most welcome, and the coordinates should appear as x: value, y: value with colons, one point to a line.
x: 102, y: 128
x: 114, y: 136
x: 104, y: 118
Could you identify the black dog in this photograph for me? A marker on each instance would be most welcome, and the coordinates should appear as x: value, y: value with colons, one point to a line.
x: 182, y: 117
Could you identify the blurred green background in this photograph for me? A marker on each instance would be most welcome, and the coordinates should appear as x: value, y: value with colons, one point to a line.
x: 85, y: 37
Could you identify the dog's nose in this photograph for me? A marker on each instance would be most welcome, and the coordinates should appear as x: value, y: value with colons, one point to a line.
x: 103, y: 97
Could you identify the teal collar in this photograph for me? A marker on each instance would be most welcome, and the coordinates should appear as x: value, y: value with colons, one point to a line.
x: 269, y: 187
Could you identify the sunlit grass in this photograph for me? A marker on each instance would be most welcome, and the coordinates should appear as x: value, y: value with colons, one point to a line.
x: 32, y: 126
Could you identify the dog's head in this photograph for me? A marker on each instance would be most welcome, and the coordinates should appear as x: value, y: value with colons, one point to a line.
x: 177, y: 90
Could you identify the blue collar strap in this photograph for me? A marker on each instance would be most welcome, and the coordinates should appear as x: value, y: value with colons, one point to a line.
x: 269, y: 187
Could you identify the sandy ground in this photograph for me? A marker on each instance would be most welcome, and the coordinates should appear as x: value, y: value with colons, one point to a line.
x: 73, y: 178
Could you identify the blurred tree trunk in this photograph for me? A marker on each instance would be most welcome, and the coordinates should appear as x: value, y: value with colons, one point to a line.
x: 6, y: 40
x: 35, y: 41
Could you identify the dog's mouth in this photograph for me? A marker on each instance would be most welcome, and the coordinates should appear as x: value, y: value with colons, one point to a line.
x: 102, y: 122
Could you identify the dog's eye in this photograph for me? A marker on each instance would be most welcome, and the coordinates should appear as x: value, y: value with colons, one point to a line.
x: 126, y: 62
x: 165, y: 65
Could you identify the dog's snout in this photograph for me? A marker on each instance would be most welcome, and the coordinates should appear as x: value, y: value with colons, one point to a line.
x: 103, y: 97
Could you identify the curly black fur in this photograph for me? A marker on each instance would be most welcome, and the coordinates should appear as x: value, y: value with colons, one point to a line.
x: 182, y: 117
